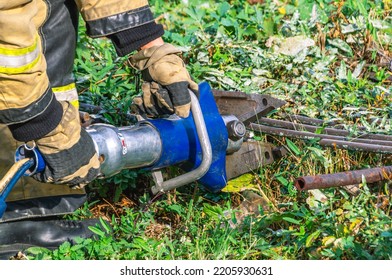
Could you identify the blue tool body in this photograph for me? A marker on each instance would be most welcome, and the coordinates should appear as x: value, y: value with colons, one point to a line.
x: 180, y: 143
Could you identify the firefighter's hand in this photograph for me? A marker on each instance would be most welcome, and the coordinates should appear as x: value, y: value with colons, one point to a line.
x: 69, y: 152
x: 166, y: 81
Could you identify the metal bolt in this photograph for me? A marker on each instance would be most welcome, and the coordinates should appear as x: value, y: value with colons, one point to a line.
x: 236, y: 130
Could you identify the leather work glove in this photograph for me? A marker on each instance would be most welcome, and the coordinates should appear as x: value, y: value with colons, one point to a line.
x: 166, y: 82
x: 69, y: 152
x: 154, y: 102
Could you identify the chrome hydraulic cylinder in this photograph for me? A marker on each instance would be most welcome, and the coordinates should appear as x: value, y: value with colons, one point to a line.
x: 127, y: 147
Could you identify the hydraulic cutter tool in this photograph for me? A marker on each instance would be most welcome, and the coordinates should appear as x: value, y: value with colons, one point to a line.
x: 211, y: 145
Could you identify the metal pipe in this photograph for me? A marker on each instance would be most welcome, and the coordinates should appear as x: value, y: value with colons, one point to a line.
x: 324, y: 181
x: 383, y: 139
x: 311, y: 121
x: 303, y: 127
x: 327, y: 140
x: 348, y: 145
x: 287, y: 132
x: 318, y: 122
x: 205, y: 144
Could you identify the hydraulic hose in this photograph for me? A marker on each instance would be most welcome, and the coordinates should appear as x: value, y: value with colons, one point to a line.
x: 17, y: 170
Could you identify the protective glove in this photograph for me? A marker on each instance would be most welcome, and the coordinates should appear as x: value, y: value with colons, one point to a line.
x: 154, y: 102
x: 166, y: 81
x: 69, y: 152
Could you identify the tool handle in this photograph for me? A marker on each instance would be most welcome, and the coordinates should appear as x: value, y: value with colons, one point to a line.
x: 201, y: 170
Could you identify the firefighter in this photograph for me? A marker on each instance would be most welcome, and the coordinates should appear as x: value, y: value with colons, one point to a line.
x: 39, y: 105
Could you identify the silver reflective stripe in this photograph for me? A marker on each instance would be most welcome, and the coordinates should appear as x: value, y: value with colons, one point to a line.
x: 16, y: 61
x: 66, y: 95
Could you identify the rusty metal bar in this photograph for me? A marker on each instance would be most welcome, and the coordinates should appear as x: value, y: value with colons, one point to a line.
x: 340, y: 179
x: 289, y: 132
x: 318, y: 122
x: 311, y: 121
x: 300, y: 126
x: 329, y: 131
x: 327, y: 140
x: 354, y: 146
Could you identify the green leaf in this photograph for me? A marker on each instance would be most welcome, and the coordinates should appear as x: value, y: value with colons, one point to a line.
x: 176, y: 208
x: 243, y: 15
x: 311, y: 238
x: 291, y: 189
x: 241, y: 183
x: 342, y: 45
x: 381, y: 24
x: 328, y: 240
x: 140, y: 243
x: 38, y: 250
x: 362, y: 8
x: 117, y: 193
x: 342, y: 72
x: 97, y: 231
x: 306, y: 9
x: 291, y: 220
x: 223, y: 8
x: 387, y: 234
x: 282, y: 180
x: 249, y: 30
x: 227, y: 22
x: 105, y: 225
x: 196, y: 14
x: 269, y: 26
x: 215, y: 212
x: 319, y: 130
x: 293, y: 147
x: 320, y: 154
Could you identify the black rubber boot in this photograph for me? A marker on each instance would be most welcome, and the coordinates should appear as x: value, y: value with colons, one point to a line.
x: 20, y: 235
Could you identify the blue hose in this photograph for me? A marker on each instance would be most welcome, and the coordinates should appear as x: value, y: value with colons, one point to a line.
x: 21, y: 172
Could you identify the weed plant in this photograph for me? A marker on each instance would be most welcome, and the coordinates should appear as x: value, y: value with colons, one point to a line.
x: 343, y: 73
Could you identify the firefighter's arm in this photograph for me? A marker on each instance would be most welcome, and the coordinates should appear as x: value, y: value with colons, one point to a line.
x: 131, y: 26
x: 28, y: 105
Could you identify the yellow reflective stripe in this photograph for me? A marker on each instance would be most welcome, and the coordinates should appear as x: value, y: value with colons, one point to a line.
x: 75, y: 103
x: 64, y: 88
x: 19, y: 52
x: 16, y: 61
x: 67, y: 93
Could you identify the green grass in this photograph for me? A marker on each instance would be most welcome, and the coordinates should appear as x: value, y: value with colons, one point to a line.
x: 344, y: 76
